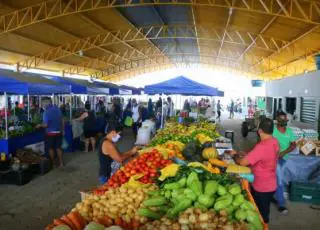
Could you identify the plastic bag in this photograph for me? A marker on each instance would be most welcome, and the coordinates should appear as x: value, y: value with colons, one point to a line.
x: 143, y: 137
x: 128, y: 121
x: 65, y: 144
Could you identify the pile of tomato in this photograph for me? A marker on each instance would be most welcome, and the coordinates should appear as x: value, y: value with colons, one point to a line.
x: 146, y: 164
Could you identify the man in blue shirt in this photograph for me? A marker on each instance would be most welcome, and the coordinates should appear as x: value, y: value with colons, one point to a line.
x: 53, y: 122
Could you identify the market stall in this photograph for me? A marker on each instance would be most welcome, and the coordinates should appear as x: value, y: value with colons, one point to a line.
x: 180, y: 86
x: 18, y: 134
x: 177, y: 182
x: 79, y: 87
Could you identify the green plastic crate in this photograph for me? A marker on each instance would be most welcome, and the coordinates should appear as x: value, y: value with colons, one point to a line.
x: 305, y: 192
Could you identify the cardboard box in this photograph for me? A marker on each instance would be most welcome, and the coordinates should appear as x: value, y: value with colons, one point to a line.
x: 308, y: 148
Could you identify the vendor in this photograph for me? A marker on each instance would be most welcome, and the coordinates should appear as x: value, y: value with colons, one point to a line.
x: 263, y: 162
x: 286, y: 140
x: 109, y: 157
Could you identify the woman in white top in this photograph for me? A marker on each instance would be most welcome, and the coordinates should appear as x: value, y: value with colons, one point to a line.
x: 135, y: 116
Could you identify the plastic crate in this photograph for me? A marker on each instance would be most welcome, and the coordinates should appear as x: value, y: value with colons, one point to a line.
x: 305, y: 192
x: 20, y: 177
x: 44, y: 167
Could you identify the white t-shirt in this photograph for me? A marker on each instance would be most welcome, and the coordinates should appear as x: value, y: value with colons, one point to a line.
x: 135, y: 113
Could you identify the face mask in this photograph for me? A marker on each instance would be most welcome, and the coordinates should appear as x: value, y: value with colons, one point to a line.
x: 116, y: 138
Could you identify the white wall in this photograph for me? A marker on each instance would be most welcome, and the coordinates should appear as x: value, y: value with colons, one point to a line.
x: 303, y: 85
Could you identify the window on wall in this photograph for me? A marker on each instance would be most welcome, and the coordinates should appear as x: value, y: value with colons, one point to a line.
x: 308, y: 110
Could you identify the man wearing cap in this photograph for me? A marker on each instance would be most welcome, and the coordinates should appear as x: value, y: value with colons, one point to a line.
x: 286, y: 140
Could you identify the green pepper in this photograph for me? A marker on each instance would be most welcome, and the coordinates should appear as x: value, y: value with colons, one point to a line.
x: 234, y: 189
x: 240, y: 214
x: 167, y: 194
x: 254, y: 219
x: 190, y: 194
x: 194, y: 183
x: 148, y: 213
x: 223, y: 202
x: 206, y: 200
x: 221, y: 190
x: 176, y: 185
x: 211, y: 187
x: 180, y: 207
x: 155, y: 201
x: 238, y: 200
x: 247, y: 205
x: 154, y: 193
x: 163, y: 209
x: 201, y: 206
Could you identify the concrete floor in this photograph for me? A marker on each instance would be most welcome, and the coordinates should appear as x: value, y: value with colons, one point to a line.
x: 37, y: 203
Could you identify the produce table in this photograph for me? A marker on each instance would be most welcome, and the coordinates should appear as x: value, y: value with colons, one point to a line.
x: 153, y: 192
x: 13, y: 143
x: 299, y: 168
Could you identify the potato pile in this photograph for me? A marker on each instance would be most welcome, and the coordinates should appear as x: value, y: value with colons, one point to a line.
x: 116, y: 202
x: 163, y: 224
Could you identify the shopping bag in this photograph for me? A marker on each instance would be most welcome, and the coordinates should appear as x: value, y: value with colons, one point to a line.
x: 128, y: 121
x: 65, y: 144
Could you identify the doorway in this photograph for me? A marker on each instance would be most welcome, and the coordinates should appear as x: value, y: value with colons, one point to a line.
x: 274, y: 108
x: 291, y: 105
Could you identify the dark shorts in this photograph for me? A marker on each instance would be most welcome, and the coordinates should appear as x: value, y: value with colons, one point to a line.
x: 53, y: 141
x: 89, y: 134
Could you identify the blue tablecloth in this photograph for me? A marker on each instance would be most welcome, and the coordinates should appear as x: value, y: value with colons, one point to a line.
x: 301, y: 168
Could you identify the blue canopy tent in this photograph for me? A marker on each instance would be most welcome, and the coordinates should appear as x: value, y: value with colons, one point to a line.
x: 79, y: 86
x: 220, y: 93
x: 32, y: 84
x: 181, y: 85
x: 129, y: 90
x: 26, y: 84
x: 113, y: 88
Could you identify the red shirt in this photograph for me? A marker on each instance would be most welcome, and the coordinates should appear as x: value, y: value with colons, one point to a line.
x: 263, y: 161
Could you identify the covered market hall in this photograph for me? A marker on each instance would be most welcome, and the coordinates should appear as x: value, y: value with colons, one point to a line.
x: 159, y: 114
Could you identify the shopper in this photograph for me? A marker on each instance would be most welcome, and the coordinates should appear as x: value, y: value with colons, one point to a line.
x: 286, y: 140
x: 263, y: 162
x: 127, y: 115
x: 135, y: 116
x: 100, y: 108
x: 89, y: 127
x: 150, y: 109
x: 218, y: 110
x: 186, y: 106
x: 170, y: 111
x: 110, y: 158
x: 53, y: 123
x: 231, y: 110
x: 158, y: 104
